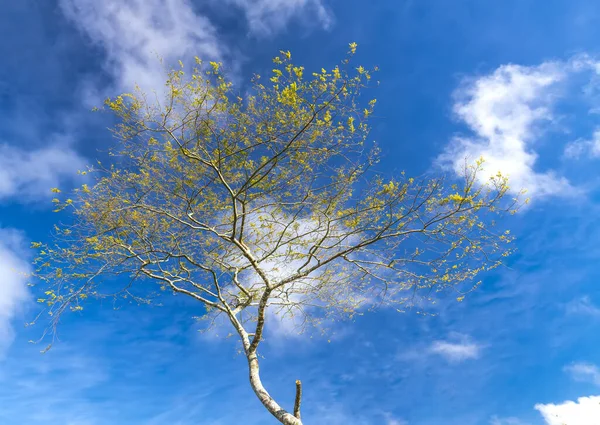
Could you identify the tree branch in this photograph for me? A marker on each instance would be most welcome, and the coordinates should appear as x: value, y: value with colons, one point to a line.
x: 298, y: 400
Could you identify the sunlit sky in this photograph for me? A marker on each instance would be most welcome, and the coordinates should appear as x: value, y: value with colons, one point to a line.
x: 514, y: 81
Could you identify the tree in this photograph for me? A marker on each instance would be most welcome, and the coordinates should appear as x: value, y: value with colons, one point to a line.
x: 266, y: 207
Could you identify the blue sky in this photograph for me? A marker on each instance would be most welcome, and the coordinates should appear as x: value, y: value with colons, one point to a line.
x: 517, y: 81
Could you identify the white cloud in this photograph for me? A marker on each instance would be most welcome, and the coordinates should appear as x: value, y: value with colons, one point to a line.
x: 583, y: 305
x: 14, y: 268
x: 28, y: 175
x: 509, y: 110
x: 135, y: 33
x: 504, y: 110
x: 268, y: 16
x: 585, y: 411
x: 579, y: 148
x: 584, y: 372
x: 458, y: 350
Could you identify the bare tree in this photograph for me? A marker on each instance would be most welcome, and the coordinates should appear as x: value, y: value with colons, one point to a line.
x: 266, y: 207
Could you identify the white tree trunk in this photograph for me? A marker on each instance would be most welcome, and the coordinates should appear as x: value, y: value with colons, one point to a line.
x: 265, y: 398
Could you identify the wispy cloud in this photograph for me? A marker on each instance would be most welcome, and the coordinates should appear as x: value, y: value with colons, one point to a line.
x: 136, y: 33
x: 28, y: 175
x: 53, y: 388
x: 584, y: 411
x: 394, y: 421
x: 579, y: 148
x: 583, y: 306
x: 506, y: 421
x: 584, y: 372
x: 14, y: 268
x: 268, y: 16
x: 457, y: 350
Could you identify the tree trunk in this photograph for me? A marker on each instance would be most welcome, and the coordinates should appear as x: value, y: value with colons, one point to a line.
x: 265, y: 398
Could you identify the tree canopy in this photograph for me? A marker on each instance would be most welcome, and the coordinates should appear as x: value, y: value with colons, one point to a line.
x: 266, y: 205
